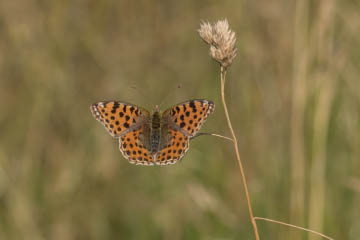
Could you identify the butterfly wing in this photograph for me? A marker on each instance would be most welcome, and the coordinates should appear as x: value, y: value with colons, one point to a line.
x: 134, y: 150
x: 126, y: 122
x: 119, y: 118
x: 189, y: 116
x: 175, y: 150
x: 182, y: 121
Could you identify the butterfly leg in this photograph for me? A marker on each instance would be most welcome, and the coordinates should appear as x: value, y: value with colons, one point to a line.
x: 141, y: 122
x: 176, y: 127
x: 130, y: 129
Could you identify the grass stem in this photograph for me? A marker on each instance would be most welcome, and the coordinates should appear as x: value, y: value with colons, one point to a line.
x: 294, y: 226
x: 223, y: 77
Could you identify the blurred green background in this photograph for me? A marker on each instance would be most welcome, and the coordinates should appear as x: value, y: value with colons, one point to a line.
x: 293, y: 95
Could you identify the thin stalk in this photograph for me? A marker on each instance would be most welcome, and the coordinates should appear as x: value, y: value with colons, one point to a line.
x: 294, y: 226
x: 212, y: 134
x: 298, y: 105
x: 223, y: 75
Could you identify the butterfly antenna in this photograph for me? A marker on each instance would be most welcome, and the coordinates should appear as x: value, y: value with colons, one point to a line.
x: 167, y: 96
x: 140, y: 92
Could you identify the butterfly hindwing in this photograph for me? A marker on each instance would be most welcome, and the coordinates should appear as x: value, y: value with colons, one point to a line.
x: 134, y: 150
x: 175, y: 150
x: 189, y: 116
x: 118, y: 118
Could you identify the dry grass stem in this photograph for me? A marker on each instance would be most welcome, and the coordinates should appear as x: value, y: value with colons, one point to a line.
x: 294, y: 226
x: 221, y: 136
x: 222, y: 48
x: 212, y: 134
x: 223, y: 77
x: 298, y: 107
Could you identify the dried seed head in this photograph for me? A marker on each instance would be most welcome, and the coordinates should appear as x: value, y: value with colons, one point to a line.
x: 221, y: 40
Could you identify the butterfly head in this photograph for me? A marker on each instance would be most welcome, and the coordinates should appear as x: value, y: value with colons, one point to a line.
x: 157, y: 108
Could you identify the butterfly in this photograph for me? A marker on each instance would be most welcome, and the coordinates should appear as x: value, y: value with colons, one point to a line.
x: 159, y: 138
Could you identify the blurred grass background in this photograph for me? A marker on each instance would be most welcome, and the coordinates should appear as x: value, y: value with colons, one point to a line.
x: 293, y: 95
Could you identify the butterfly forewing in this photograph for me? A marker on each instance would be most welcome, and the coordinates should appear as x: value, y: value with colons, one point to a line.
x: 189, y: 116
x: 118, y: 118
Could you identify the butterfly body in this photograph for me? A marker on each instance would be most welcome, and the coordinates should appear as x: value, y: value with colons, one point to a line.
x: 154, y: 135
x: 158, y: 138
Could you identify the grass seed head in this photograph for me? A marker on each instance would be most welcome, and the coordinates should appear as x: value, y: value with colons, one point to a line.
x: 221, y: 40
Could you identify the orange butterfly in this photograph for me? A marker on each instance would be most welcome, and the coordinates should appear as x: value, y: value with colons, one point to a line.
x: 158, y: 138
